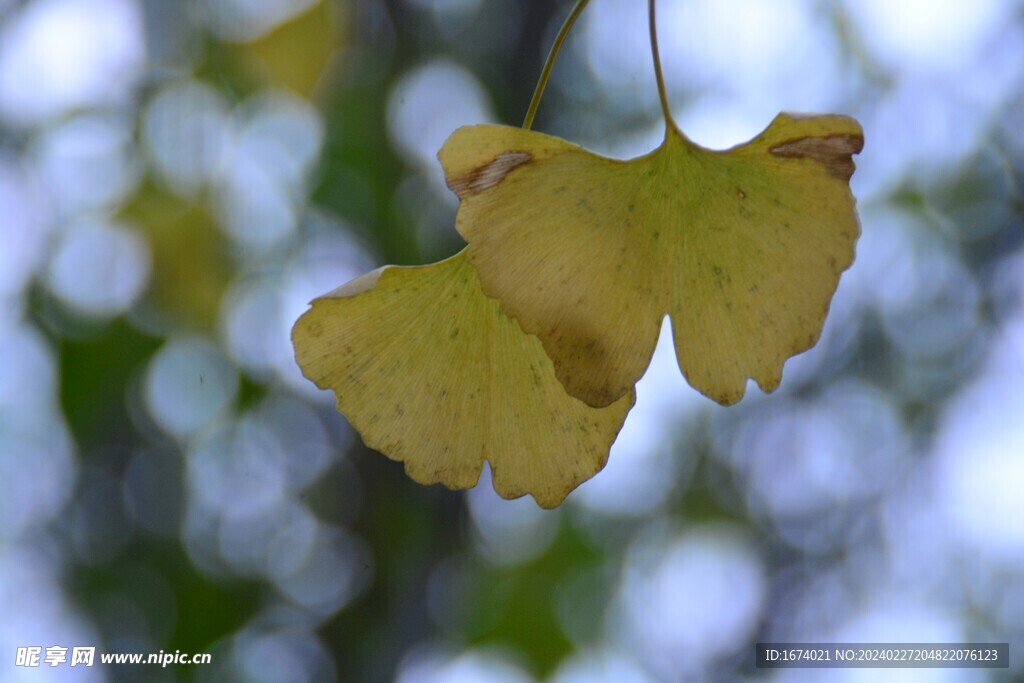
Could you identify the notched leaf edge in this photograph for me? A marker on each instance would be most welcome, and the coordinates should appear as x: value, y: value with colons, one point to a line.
x: 490, y: 174
x: 363, y: 283
x: 835, y: 152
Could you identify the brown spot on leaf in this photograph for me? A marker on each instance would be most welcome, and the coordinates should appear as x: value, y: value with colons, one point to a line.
x: 488, y: 175
x: 315, y: 329
x: 834, y: 151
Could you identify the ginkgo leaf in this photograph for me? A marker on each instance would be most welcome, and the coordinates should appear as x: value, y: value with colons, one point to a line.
x: 742, y: 248
x: 433, y: 373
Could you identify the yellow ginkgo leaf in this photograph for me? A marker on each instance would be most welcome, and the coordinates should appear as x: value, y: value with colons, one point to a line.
x: 432, y: 373
x: 741, y: 248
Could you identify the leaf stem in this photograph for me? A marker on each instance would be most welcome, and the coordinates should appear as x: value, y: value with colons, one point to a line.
x: 658, y: 75
x: 549, y: 65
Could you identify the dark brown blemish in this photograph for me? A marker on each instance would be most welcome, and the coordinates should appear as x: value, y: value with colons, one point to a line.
x: 721, y: 279
x: 834, y: 151
x: 315, y: 329
x: 488, y: 175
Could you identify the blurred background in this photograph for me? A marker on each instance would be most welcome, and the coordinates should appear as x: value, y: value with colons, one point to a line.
x: 178, y: 180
